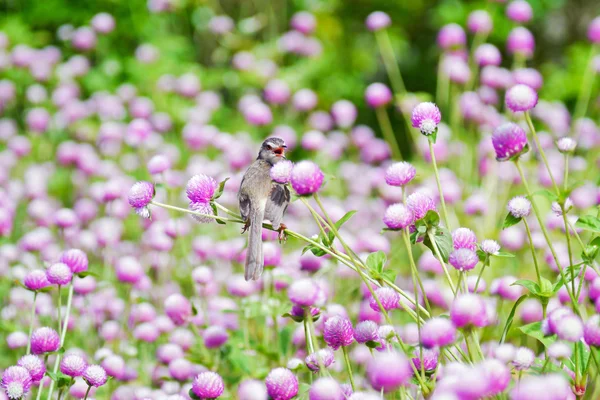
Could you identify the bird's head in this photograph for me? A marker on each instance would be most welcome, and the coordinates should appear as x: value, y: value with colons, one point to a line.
x: 272, y: 150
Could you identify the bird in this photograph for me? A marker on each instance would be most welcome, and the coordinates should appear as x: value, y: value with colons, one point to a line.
x: 260, y: 198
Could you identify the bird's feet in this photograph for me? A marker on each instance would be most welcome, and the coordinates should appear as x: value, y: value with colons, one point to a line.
x: 246, y: 226
x: 282, y: 235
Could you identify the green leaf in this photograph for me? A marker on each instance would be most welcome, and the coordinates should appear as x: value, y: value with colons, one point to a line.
x: 510, y: 318
x: 482, y: 255
x: 588, y: 223
x: 433, y: 137
x: 220, y: 189
x: 372, y: 344
x: 443, y: 240
x: 535, y: 331
x: 516, y: 156
x: 510, y: 220
x: 345, y: 219
x: 589, y: 254
x: 390, y: 275
x: 432, y: 218
x: 504, y: 254
x: 194, y: 310
x: 216, y: 212
x: 87, y: 273
x: 547, y: 194
x: 193, y: 395
x: 376, y: 261
x: 582, y: 354
x: 52, y: 375
x: 532, y: 286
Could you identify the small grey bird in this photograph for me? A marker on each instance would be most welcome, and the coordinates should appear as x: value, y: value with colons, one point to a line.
x: 261, y: 199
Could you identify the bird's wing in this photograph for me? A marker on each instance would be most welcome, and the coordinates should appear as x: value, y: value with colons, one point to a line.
x: 245, y: 204
x: 277, y: 204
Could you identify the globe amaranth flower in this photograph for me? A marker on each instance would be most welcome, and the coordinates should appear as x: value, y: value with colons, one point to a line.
x: 388, y: 371
x: 281, y: 172
x: 95, y: 375
x: 480, y: 21
x: 178, y: 308
x: 378, y: 20
x: 307, y: 178
x: 438, y: 332
x: 463, y: 259
x: 281, y: 384
x: 591, y: 332
x: 36, y: 280
x: 16, y: 382
x: 428, y: 360
x: 208, y: 385
x: 552, y: 386
x: 451, y: 36
x: 388, y: 297
x: 566, y: 145
x: 378, y: 95
x: 140, y: 195
x: 519, y: 11
x: 215, y: 336
x: 75, y: 259
x: 520, y: 41
x: 73, y: 365
x: 321, y: 358
x: 34, y: 365
x: 202, y: 208
x: 44, y: 340
x: 524, y: 358
x: 593, y: 32
x: 464, y: 238
x: 326, y: 389
x: 426, y: 117
x: 400, y: 174
x: 366, y: 331
x: 519, y: 207
x: 338, y: 332
x: 509, y: 140
x: 521, y: 98
x: 398, y: 216
x: 419, y: 203
x: 303, y: 292
x: 570, y: 329
x: 468, y: 310
x: 59, y: 274
x: 201, y: 188
x: 490, y: 247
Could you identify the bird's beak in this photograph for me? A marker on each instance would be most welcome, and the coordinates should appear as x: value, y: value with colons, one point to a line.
x: 280, y: 151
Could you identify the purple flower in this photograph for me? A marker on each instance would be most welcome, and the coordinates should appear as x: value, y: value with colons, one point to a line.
x: 593, y: 32
x: 519, y: 11
x: 338, y: 332
x: 528, y: 76
x: 208, y: 385
x: 73, y: 365
x: 344, y: 113
x: 202, y: 208
x: 303, y: 292
x: 519, y: 207
x: 520, y: 41
x: 388, y: 297
x: 479, y: 21
x: 524, y: 358
x: 215, y: 336
x: 16, y: 382
x: 438, y: 332
x: 426, y: 117
x: 509, y: 140
x: 388, y: 371
x: 521, y: 98
x: 59, y: 274
x: 44, y: 340
x: 591, y: 332
x: 326, y: 389
x: 281, y: 384
x: 201, y: 188
x: 140, y: 195
x: 158, y: 164
x: 430, y: 359
x: 498, y: 375
x: 419, y: 203
x: 451, y: 36
x: 277, y: 92
x: 251, y: 389
x: 552, y: 386
x: 178, y: 308
x: 75, y: 259
x: 378, y: 20
x: 566, y: 145
x: 321, y: 358
x: 304, y: 22
x: 570, y: 329
x: 468, y: 310
x: 307, y: 178
x: 400, y: 174
x: 36, y: 280
x: 103, y: 23
x: 281, y: 172
x: 95, y: 375
x: 397, y: 216
x: 464, y: 238
x: 258, y: 114
x: 488, y: 54
x: 34, y: 365
x: 490, y: 247
x: 378, y: 95
x: 463, y: 259
x: 366, y: 331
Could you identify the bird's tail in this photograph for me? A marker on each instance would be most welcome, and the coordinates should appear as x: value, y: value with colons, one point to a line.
x: 254, y: 253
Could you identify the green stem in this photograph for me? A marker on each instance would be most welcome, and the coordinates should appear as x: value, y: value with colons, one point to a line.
x: 388, y: 131
x: 414, y: 270
x: 541, y: 151
x: 535, y: 261
x: 585, y: 92
x: 87, y: 392
x: 347, y: 360
x: 31, y: 323
x: 439, y: 185
x: 389, y: 60
x: 437, y: 254
x: 59, y: 311
x: 216, y: 217
x: 485, y: 264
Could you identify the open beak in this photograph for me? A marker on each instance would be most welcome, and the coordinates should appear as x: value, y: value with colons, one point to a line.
x: 279, y: 152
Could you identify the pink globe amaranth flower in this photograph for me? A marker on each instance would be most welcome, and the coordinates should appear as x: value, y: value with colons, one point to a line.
x: 378, y: 95
x: 38, y: 120
x: 388, y: 297
x: 304, y: 100
x: 523, y: 359
x: 504, y: 288
x: 468, y: 310
x: 366, y: 331
x: 552, y: 386
x: 65, y: 218
x: 338, y: 332
x: 202, y: 208
x: 201, y: 188
x: 521, y: 98
x: 215, y: 337
x: 451, y: 36
x: 591, y: 332
x: 398, y: 216
x: 419, y: 203
x: 128, y: 269
x: 95, y: 375
x: 519, y: 11
x: 303, y: 22
x: 258, y: 114
x: 307, y: 178
x: 281, y: 172
x: 593, y: 32
x: 464, y: 238
x: 520, y: 41
x: 146, y: 332
x: 566, y: 145
x: 277, y: 92
x: 17, y: 339
x: 103, y: 23
x: 140, y: 195
x: 322, y: 358
x: 326, y: 389
x: 16, y: 382
x: 519, y: 207
x: 36, y: 280
x: 570, y: 329
x: 488, y: 54
x: 197, y: 137
x: 44, y: 340
x: 528, y: 76
x: 178, y: 308
x: 252, y: 389
x: 34, y: 365
x: 463, y: 259
x: 303, y: 292
x: 344, y: 113
x: 158, y: 164
x: 388, y: 371
x: 84, y: 38
x: 281, y: 384
x: 378, y: 20
x: 221, y: 24
x: 479, y: 21
x: 75, y: 259
x: 498, y: 376
x: 400, y: 174
x: 426, y: 117
x: 181, y: 369
x: 427, y: 361
x: 509, y: 140
x: 73, y: 365
x: 438, y: 332
x: 59, y: 274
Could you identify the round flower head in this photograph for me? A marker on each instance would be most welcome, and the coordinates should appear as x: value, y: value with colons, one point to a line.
x: 326, y: 389
x: 552, y: 386
x: 528, y: 76
x: 438, y: 332
x: 338, y: 332
x: 519, y: 11
x: 463, y: 259
x: 419, y: 203
x: 479, y: 21
x: 178, y: 308
x: 388, y: 371
x: 388, y: 297
x: 591, y: 333
x: 429, y: 360
x: 378, y: 20
x: 377, y: 95
x: 344, y: 113
x: 307, y: 178
x: 44, y: 340
x: 202, y: 208
x: 366, y: 331
x: 281, y: 384
x: 570, y: 329
x: 95, y: 375
x: 208, y: 385
x: 59, y: 274
x: 322, y: 358
x: 594, y: 30
x: 520, y: 41
x: 397, y: 216
x: 426, y: 117
x: 34, y: 365
x: 158, y: 164
x: 201, y: 188
x: 75, y: 259
x: 36, y: 280
x: 490, y: 247
x: 16, y: 382
x: 566, y: 145
x: 468, y: 310
x: 509, y: 140
x: 400, y: 174
x: 281, y: 172
x: 140, y: 194
x: 303, y: 292
x: 73, y: 365
x: 215, y: 336
x: 487, y: 54
x: 524, y: 358
x: 464, y: 238
x: 519, y: 207
x: 521, y: 98
x: 451, y: 36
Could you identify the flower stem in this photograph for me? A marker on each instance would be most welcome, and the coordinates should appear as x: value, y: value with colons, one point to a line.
x: 437, y: 254
x: 388, y: 131
x: 31, y: 323
x: 87, y: 392
x: 485, y: 264
x: 541, y: 151
x: 347, y: 360
x: 535, y: 261
x: 59, y: 311
x: 439, y: 185
x: 585, y: 91
x: 389, y: 60
x: 216, y: 217
x: 414, y: 270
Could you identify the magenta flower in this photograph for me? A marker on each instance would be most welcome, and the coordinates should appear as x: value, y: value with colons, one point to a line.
x: 201, y: 188
x: 178, y: 308
x: 281, y: 172
x: 322, y: 358
x: 215, y: 336
x: 388, y: 371
x: 520, y: 41
x: 281, y: 384
x: 451, y: 36
x: 303, y: 292
x: 34, y: 365
x: 44, y: 340
x: 468, y: 310
x: 438, y: 332
x: 16, y: 382
x: 95, y: 375
x: 463, y: 259
x: 208, y: 385
x: 479, y: 21
x: 519, y: 207
x: 307, y: 178
x: 366, y: 331
x: 521, y: 98
x: 140, y: 195
x: 464, y: 238
x: 519, y: 11
x: 400, y: 174
x: 75, y: 259
x: 509, y: 140
x: 377, y: 21
x: 338, y: 332
x: 524, y: 358
x: 419, y: 203
x: 202, y: 208
x: 378, y: 95
x: 426, y: 117
x: 593, y: 32
x: 36, y: 280
x: 388, y: 297
x: 397, y: 216
x: 73, y: 365
x: 591, y: 332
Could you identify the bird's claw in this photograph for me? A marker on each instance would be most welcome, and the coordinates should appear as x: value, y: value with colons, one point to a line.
x: 282, y: 235
x: 246, y: 226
